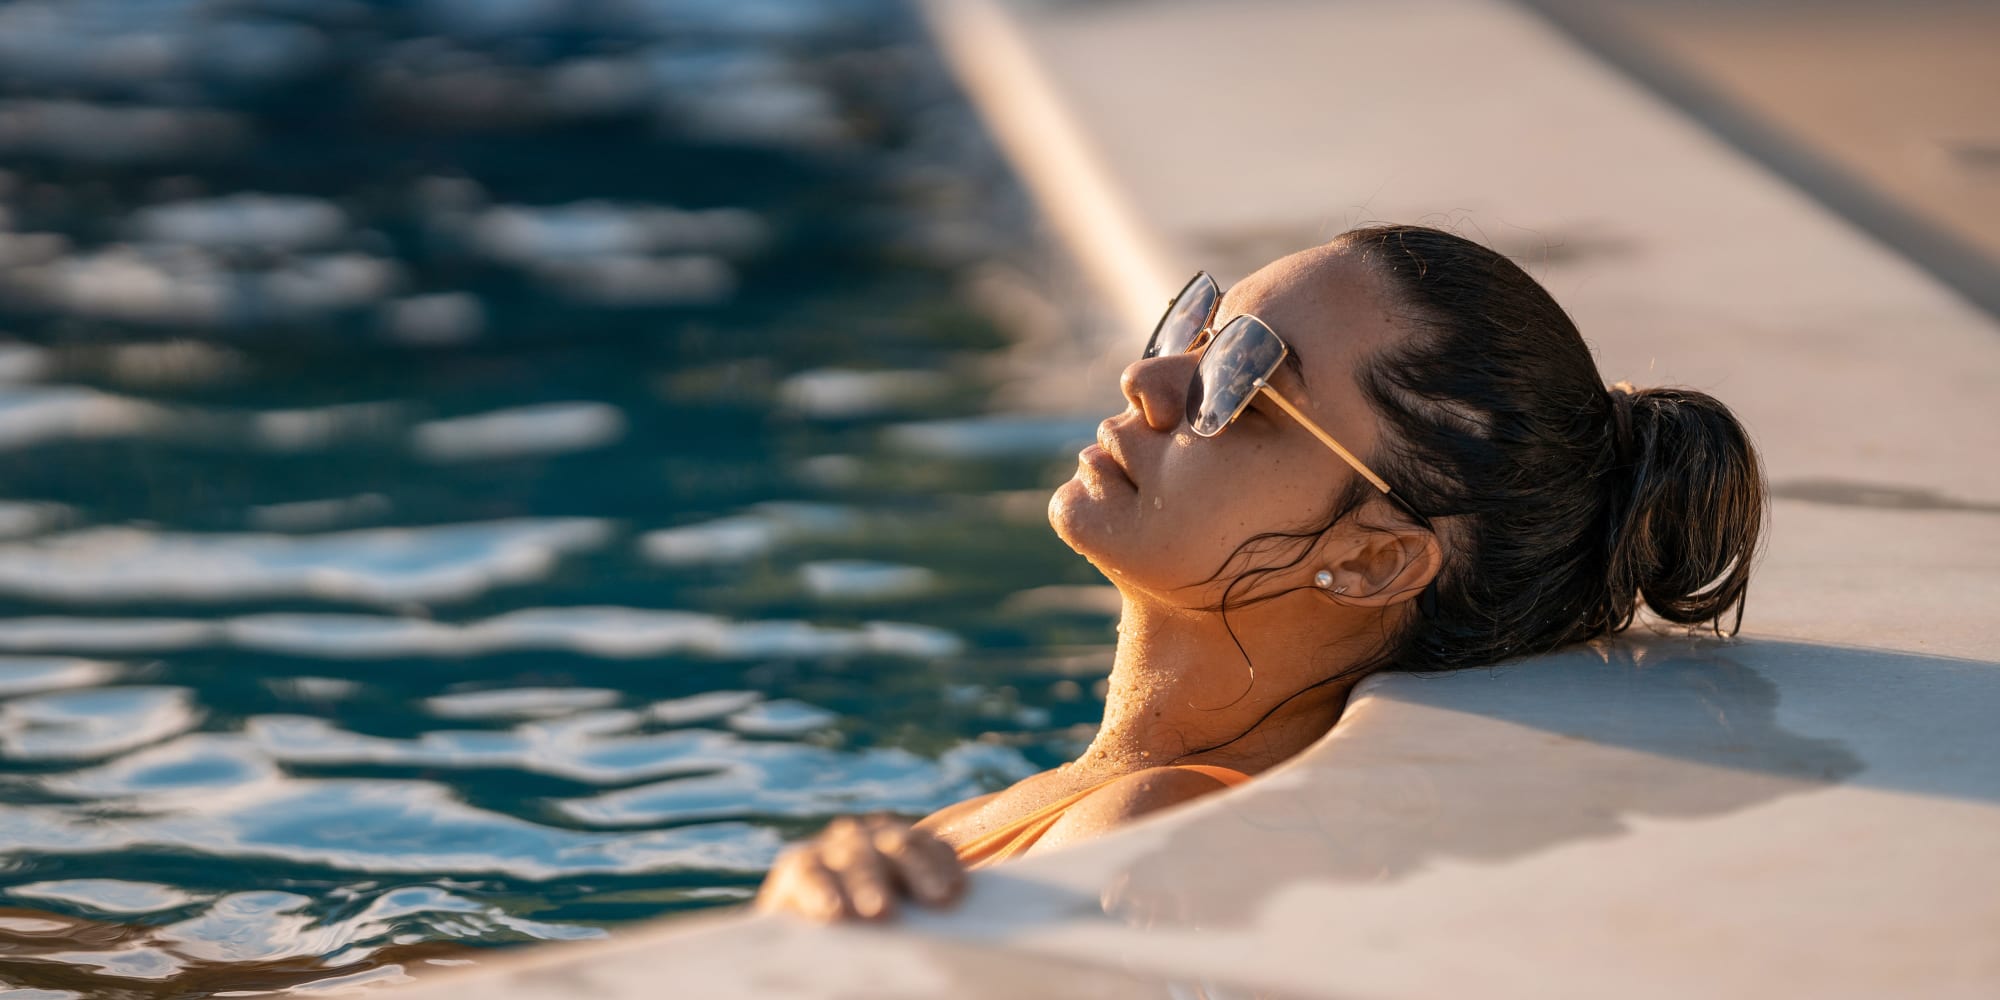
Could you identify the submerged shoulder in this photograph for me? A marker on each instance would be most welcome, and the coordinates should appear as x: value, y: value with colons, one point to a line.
x: 962, y: 821
x: 945, y: 822
x: 1129, y: 797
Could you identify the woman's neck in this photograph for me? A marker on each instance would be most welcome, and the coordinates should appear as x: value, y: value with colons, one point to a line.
x: 1181, y: 692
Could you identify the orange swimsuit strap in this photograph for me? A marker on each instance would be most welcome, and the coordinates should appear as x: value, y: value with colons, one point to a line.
x: 998, y: 845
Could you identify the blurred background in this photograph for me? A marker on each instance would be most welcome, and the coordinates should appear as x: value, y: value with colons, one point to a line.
x: 479, y: 471
x: 1887, y: 113
x: 484, y: 471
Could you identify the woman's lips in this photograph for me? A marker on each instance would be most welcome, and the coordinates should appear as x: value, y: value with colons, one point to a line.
x: 1095, y: 458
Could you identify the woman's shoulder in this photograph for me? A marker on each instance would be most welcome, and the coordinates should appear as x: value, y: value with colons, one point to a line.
x: 1106, y: 804
x: 962, y: 820
x: 1131, y: 796
x: 940, y: 821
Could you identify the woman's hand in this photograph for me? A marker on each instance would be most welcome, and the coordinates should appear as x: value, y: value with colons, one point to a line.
x: 858, y: 868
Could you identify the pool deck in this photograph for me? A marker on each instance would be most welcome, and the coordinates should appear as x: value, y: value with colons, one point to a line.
x: 1813, y: 809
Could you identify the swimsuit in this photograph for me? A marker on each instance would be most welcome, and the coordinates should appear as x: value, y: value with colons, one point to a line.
x: 1007, y: 841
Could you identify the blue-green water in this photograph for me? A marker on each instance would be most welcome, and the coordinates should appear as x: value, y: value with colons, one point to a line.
x: 481, y: 472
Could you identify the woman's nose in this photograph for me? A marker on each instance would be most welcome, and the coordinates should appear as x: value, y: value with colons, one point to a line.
x: 1157, y: 388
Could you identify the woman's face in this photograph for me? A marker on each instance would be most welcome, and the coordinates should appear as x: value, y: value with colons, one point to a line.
x: 1160, y: 509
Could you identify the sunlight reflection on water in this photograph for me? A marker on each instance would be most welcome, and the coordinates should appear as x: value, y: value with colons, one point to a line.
x: 481, y: 473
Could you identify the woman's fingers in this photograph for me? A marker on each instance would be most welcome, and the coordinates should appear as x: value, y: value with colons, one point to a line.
x: 864, y: 873
x: 925, y: 865
x: 859, y: 868
x: 801, y: 883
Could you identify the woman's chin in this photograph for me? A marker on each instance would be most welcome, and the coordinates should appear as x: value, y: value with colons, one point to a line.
x: 1076, y: 515
x: 1088, y: 523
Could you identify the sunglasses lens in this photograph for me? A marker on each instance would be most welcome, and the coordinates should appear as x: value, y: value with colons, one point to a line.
x: 1185, y: 317
x: 1245, y: 351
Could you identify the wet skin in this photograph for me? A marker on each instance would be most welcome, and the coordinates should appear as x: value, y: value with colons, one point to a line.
x: 1161, y: 511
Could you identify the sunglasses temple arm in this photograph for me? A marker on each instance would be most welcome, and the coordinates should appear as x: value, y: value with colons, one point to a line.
x: 1327, y: 439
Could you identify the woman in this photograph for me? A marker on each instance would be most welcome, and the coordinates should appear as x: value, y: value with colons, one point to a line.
x: 1421, y: 470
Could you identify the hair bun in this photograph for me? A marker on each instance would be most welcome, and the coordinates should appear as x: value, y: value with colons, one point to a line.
x: 1622, y: 440
x: 1686, y: 513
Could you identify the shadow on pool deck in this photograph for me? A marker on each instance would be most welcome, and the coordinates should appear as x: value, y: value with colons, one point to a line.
x: 1567, y: 748
x: 1878, y: 496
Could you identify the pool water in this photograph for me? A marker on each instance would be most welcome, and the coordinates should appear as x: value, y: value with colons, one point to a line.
x: 479, y: 473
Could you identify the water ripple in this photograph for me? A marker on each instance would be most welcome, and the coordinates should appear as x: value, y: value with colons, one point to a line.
x: 384, y: 826
x: 388, y: 566
x: 518, y: 703
x: 235, y: 939
x: 28, y: 674
x: 542, y: 429
x: 107, y: 895
x: 794, y: 781
x: 80, y: 725
x: 592, y: 631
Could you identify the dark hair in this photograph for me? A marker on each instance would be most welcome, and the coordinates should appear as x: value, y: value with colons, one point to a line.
x: 1565, y: 504
x: 1562, y: 504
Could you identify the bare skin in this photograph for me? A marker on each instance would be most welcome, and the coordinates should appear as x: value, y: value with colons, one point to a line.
x: 1158, y: 509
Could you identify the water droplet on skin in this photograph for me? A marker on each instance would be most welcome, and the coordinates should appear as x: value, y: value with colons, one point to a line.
x: 1158, y: 503
x: 1143, y: 754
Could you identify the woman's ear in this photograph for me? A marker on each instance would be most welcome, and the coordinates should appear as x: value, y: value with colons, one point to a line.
x: 1387, y: 566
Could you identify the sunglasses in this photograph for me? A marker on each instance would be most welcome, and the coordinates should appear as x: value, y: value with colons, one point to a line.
x: 1237, y: 363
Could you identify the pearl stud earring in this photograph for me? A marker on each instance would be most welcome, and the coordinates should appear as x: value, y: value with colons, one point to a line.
x: 1324, y: 578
